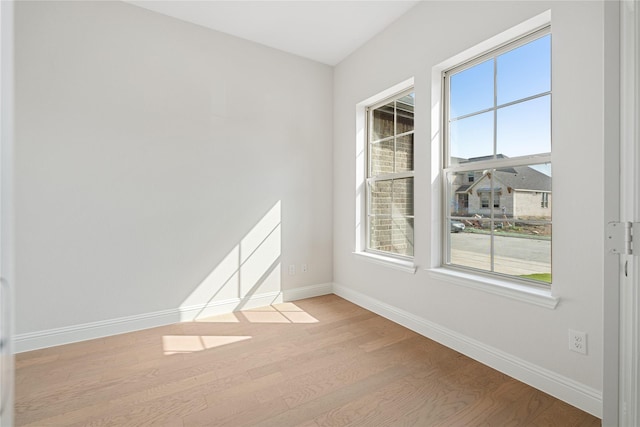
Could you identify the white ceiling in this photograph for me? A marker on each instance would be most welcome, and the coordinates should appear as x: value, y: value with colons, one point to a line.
x: 322, y: 30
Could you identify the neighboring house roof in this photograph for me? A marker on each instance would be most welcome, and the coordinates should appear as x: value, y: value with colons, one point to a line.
x: 516, y: 178
x: 525, y: 178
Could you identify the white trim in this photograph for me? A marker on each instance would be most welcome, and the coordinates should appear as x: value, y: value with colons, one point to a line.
x: 395, y: 263
x: 515, y: 291
x: 308, y: 291
x: 629, y: 298
x: 559, y: 386
x: 86, y: 331
x: 215, y: 308
x: 92, y: 330
x: 7, y: 245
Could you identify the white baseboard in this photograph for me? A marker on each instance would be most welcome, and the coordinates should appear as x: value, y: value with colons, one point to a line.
x: 87, y: 331
x: 586, y: 398
x: 308, y: 291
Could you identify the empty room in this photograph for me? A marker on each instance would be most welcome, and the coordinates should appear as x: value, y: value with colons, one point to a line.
x: 319, y: 213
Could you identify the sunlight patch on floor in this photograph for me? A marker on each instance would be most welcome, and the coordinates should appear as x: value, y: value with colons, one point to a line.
x: 279, y: 313
x: 179, y: 344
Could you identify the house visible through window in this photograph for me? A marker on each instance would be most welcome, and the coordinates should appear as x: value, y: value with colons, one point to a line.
x: 390, y: 176
x: 497, y: 161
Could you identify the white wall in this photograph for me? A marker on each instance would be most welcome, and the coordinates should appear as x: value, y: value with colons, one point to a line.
x: 160, y: 167
x: 522, y: 339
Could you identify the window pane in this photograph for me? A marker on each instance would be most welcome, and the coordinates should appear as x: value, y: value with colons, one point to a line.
x: 459, y: 189
x: 380, y: 233
x: 471, y: 138
x: 470, y: 249
x: 525, y: 71
x: 381, y: 157
x: 404, y: 153
x: 403, y: 197
x: 471, y: 90
x: 380, y: 219
x: 525, y: 128
x: 528, y: 184
x: 380, y: 198
x: 404, y: 111
x: 382, y: 122
x: 523, y: 249
x: 402, y: 236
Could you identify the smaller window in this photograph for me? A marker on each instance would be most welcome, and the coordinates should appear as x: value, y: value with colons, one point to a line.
x: 545, y: 200
x: 484, y: 200
x: 470, y: 177
x: 390, y: 176
x: 463, y: 201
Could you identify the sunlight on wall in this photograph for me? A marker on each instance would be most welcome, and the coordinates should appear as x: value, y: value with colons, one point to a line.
x: 252, y: 267
x: 178, y: 344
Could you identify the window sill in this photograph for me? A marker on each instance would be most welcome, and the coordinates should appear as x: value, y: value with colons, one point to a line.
x: 531, y: 295
x: 398, y: 264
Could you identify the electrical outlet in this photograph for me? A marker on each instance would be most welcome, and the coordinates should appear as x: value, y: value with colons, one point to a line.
x: 292, y: 270
x: 304, y: 268
x: 578, y: 341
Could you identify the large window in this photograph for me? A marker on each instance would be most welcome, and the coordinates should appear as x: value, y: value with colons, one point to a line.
x: 390, y: 176
x: 497, y: 163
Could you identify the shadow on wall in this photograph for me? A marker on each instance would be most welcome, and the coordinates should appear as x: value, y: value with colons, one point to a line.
x: 250, y: 271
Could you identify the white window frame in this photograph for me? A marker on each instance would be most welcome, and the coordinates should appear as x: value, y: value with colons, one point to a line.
x: 490, y: 164
x: 360, y: 218
x: 369, y: 180
x: 489, y: 283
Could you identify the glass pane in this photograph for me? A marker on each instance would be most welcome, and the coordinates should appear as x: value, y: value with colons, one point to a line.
x: 525, y: 71
x: 382, y: 122
x: 403, y: 197
x: 525, y: 128
x: 479, y: 194
x: 381, y: 157
x: 471, y: 138
x: 529, y: 196
x: 404, y: 153
x: 470, y: 249
x: 404, y: 111
x: 380, y: 198
x: 459, y: 191
x: 380, y: 233
x: 471, y: 90
x: 523, y: 249
x: 402, y: 236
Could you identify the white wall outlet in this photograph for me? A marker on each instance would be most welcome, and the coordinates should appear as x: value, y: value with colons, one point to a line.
x: 292, y: 270
x: 304, y: 268
x: 578, y: 341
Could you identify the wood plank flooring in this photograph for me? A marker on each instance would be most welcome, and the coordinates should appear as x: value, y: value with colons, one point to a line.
x: 316, y: 362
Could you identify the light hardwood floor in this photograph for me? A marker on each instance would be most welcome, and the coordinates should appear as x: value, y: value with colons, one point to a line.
x: 316, y: 362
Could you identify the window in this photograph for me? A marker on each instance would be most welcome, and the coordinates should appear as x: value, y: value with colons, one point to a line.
x: 497, y: 153
x: 390, y: 176
x: 545, y: 200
